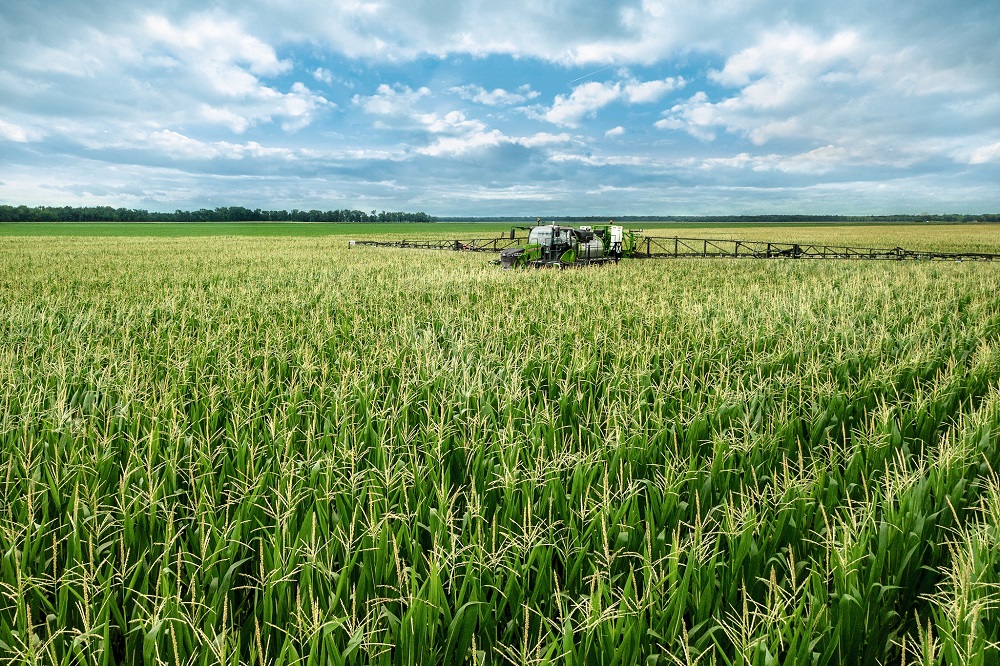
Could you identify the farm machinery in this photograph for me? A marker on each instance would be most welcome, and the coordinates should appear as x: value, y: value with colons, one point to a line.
x: 564, y: 246
x: 554, y: 245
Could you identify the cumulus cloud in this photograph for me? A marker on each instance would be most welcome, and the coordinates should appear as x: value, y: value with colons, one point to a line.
x: 215, y: 45
x: 585, y: 100
x: 650, y: 91
x: 299, y: 106
x: 788, y: 71
x: 295, y: 109
x: 226, y: 66
x: 790, y: 54
x: 453, y: 122
x: 588, y: 98
x: 459, y: 145
x: 696, y: 115
x: 397, y: 100
x: 495, y: 97
x: 831, y: 99
x: 452, y: 133
x: 458, y: 135
x: 205, y: 69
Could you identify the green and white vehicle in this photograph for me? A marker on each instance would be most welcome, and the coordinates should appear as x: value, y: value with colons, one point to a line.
x: 554, y: 245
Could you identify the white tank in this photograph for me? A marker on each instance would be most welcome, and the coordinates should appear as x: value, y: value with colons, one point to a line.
x: 592, y: 249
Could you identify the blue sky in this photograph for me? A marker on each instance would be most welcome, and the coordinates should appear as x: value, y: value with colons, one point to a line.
x: 557, y: 107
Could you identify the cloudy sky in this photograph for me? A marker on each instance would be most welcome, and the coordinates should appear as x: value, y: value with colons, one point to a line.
x: 513, y: 107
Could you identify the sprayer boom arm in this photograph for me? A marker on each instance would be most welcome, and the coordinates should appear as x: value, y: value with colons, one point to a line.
x: 669, y: 247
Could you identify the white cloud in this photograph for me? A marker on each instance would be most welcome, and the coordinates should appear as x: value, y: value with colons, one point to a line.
x: 222, y: 65
x: 985, y: 154
x: 610, y: 189
x: 215, y: 43
x: 588, y: 98
x: 790, y: 52
x: 178, y: 146
x: 373, y: 154
x: 585, y: 100
x: 454, y: 133
x: 819, y: 161
x: 17, y: 133
x: 453, y: 122
x: 651, y: 91
x: 696, y: 116
x: 615, y: 132
x: 495, y: 97
x: 297, y: 109
x: 833, y: 100
x: 543, y: 139
x: 623, y: 160
x: 459, y: 145
x: 788, y: 72
x: 236, y: 122
x: 476, y: 193
x: 398, y: 100
x: 459, y: 135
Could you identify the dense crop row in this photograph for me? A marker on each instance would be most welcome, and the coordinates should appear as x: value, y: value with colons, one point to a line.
x: 284, y: 451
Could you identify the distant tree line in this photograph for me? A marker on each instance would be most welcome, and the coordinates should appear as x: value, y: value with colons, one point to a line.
x: 242, y: 214
x: 747, y: 219
x: 224, y: 214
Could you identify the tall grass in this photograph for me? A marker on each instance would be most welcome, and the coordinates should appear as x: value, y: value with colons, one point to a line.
x: 283, y: 451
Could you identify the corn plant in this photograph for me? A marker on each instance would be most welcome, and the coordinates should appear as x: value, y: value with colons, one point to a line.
x: 279, y: 450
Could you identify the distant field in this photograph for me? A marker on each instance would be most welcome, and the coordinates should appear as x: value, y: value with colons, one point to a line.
x: 945, y: 237
x: 295, y: 229
x: 443, y: 230
x: 266, y: 448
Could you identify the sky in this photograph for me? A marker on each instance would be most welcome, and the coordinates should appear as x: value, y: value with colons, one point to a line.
x: 488, y: 108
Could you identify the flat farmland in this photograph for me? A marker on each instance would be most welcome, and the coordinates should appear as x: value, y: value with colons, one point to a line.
x: 965, y: 237
x: 269, y: 448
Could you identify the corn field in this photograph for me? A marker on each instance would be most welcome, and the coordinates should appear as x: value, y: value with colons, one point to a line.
x: 281, y: 451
